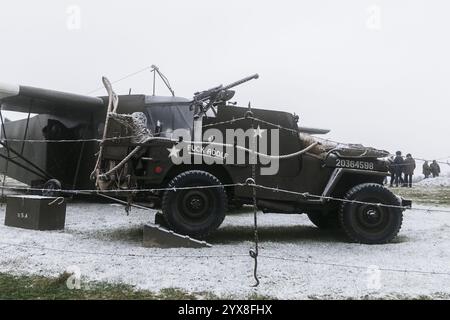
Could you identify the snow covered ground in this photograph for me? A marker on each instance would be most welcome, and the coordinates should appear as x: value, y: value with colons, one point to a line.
x: 105, y: 245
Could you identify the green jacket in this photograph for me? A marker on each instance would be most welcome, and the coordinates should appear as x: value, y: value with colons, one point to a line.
x: 426, y: 169
x: 409, y: 166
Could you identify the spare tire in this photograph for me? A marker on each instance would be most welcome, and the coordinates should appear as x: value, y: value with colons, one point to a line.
x: 195, y: 212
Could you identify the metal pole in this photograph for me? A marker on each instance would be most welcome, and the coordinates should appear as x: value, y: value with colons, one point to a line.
x: 25, y: 135
x: 254, y: 253
x: 7, y: 152
x: 154, y: 82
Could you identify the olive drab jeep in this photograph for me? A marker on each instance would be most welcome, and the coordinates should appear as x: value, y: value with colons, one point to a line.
x: 195, y: 157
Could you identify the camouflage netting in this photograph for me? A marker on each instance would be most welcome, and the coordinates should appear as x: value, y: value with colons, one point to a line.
x: 324, y: 147
x: 359, y: 151
x: 321, y: 148
x: 133, y: 126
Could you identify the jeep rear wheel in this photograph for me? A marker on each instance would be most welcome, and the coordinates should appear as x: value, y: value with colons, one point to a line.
x: 194, y: 212
x: 52, y: 188
x: 324, y: 221
x: 364, y: 221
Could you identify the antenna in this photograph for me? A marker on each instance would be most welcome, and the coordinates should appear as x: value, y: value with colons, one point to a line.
x: 155, y: 71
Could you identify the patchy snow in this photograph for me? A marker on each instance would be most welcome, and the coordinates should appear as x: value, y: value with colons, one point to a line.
x: 442, y: 181
x: 106, y: 245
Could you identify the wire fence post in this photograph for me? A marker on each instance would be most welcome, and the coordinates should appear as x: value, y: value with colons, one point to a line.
x: 252, y: 183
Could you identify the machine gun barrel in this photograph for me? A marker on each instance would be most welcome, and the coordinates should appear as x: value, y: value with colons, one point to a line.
x: 204, y: 95
x: 242, y: 81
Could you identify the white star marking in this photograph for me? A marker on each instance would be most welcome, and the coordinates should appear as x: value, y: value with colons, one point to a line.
x: 174, y: 152
x: 259, y: 132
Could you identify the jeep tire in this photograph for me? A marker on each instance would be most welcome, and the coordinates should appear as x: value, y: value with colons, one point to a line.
x: 370, y: 223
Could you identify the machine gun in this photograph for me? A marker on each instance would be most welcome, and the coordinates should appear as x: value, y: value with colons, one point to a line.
x: 204, y: 100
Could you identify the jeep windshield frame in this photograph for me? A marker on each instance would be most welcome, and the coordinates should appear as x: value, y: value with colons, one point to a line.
x: 169, y: 114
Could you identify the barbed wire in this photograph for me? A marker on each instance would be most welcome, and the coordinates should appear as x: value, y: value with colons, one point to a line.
x: 84, y: 140
x: 166, y: 139
x: 96, y: 191
x: 224, y: 122
x: 216, y: 256
x: 231, y: 121
x: 339, y: 143
x: 152, y: 139
x: 124, y: 254
x: 342, y: 265
x: 303, y: 195
x: 322, y: 197
x: 121, y: 79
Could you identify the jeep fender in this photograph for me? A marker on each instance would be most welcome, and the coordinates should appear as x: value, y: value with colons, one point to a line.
x: 342, y: 179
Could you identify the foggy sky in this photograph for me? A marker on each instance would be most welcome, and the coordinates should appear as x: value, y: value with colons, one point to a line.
x: 374, y: 72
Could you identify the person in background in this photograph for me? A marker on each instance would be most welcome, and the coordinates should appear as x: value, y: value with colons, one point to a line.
x: 408, y: 168
x: 392, y: 170
x: 435, y: 169
x: 426, y: 170
x: 398, y: 168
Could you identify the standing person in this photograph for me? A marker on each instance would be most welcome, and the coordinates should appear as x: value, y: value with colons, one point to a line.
x: 426, y: 170
x: 408, y: 168
x: 403, y: 182
x: 398, y: 164
x: 392, y: 170
x: 435, y: 169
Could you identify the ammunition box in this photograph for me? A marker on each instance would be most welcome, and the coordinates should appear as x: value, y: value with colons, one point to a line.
x: 35, y: 213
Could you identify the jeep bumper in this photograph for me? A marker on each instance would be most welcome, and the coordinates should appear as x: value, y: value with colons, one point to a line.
x: 407, y: 204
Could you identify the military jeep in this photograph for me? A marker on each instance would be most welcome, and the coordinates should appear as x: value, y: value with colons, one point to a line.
x: 336, y: 185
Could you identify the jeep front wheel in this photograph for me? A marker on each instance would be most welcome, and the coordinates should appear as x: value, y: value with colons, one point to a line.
x: 364, y: 220
x: 195, y: 212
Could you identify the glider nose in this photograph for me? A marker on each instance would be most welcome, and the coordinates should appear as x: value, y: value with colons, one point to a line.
x: 8, y: 90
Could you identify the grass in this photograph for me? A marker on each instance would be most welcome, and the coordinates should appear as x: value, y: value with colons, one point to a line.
x: 435, y: 195
x: 38, y: 287
x: 45, y: 288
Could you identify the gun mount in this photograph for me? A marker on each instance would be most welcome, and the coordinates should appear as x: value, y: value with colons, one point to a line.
x: 204, y: 100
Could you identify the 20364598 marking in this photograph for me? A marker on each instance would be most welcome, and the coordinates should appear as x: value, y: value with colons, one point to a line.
x: 353, y: 164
